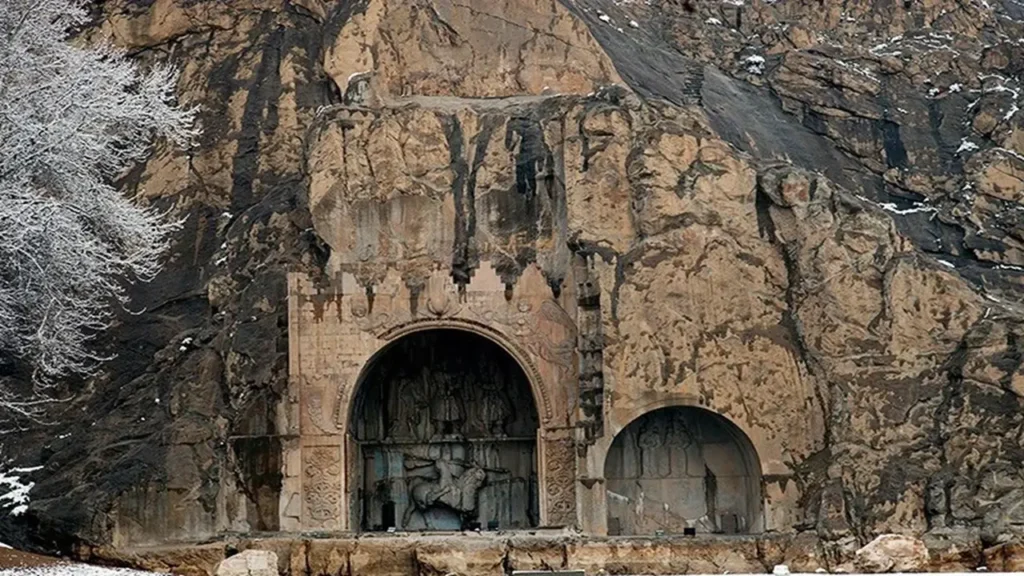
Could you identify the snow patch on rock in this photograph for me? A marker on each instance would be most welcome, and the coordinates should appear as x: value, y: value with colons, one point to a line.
x: 966, y: 146
x: 755, y: 64
x: 14, y: 491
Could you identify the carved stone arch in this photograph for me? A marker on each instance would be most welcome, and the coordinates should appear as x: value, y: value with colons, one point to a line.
x: 389, y: 428
x: 338, y: 333
x: 518, y: 353
x: 639, y: 452
x: 626, y: 417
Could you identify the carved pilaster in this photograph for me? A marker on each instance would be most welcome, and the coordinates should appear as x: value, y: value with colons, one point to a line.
x: 322, y: 487
x: 559, y: 463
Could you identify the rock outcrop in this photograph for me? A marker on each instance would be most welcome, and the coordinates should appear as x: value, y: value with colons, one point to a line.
x: 892, y: 553
x: 806, y: 215
x: 249, y: 563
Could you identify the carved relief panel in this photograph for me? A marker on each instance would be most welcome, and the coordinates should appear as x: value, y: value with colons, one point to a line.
x: 559, y: 460
x: 678, y: 468
x: 321, y: 487
x: 446, y: 430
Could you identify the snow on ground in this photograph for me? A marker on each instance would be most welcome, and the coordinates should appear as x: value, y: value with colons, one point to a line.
x: 71, y: 570
x: 19, y: 563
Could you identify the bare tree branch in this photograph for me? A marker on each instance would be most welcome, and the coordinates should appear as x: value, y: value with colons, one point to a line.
x: 71, y: 120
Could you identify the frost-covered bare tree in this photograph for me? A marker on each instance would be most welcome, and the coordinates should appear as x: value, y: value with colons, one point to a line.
x: 72, y: 119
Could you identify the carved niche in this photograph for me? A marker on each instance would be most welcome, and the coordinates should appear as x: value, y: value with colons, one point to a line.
x: 446, y: 428
x: 681, y: 467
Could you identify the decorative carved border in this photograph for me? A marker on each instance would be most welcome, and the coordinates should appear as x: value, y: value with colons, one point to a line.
x: 322, y: 486
x: 560, y: 481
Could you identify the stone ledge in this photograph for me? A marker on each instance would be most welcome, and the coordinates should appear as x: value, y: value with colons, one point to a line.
x: 499, y: 554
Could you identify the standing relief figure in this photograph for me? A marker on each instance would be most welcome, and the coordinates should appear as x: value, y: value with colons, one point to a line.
x: 651, y: 441
x: 495, y: 411
x: 410, y: 420
x: 679, y: 442
x: 445, y: 407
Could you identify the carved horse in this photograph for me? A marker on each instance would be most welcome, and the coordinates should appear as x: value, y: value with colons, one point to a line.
x: 459, y: 493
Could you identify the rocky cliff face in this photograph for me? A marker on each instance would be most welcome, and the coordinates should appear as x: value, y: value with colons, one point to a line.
x: 821, y: 203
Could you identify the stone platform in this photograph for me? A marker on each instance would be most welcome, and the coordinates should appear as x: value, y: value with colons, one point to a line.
x: 497, y: 553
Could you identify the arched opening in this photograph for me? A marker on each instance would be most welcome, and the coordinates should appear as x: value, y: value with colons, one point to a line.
x: 446, y: 428
x: 682, y: 468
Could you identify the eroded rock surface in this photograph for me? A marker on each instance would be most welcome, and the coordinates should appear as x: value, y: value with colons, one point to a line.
x: 249, y: 563
x: 892, y: 553
x: 804, y: 215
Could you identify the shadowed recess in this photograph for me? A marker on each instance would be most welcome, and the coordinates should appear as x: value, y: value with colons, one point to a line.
x: 446, y: 427
x: 682, y: 468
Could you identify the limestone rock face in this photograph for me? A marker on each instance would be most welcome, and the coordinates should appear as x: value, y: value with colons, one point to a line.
x: 803, y: 217
x: 916, y: 105
x: 249, y: 563
x: 892, y: 553
x: 1006, y: 556
x: 442, y: 558
x: 480, y: 50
